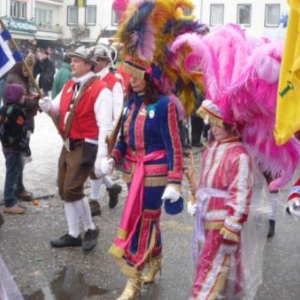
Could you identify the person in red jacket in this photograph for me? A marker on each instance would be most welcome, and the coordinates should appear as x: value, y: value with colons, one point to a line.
x: 84, y: 116
x: 104, y: 59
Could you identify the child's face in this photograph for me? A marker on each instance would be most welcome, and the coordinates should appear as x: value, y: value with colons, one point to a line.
x: 220, y: 133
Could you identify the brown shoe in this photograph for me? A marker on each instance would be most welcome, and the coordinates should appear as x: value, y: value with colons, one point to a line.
x: 25, y: 196
x: 22, y: 206
x: 113, y: 194
x: 14, y: 210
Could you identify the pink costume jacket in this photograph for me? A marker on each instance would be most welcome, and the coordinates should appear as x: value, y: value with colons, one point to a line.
x: 223, y: 197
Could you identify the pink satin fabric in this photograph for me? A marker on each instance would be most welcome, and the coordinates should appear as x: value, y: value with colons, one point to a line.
x: 133, y: 208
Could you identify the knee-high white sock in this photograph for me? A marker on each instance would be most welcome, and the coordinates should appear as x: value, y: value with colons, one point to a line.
x: 84, y: 211
x: 107, y: 181
x: 95, y: 188
x: 72, y: 219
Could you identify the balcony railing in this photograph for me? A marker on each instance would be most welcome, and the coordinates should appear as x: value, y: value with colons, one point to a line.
x: 49, y: 27
x: 59, y: 1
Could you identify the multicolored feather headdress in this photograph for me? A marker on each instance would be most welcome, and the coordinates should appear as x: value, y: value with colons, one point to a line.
x: 146, y: 30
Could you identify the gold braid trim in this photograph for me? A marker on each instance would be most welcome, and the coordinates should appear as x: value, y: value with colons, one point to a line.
x: 149, y: 181
x: 135, y: 72
x: 122, y: 234
x: 213, y: 225
x: 116, y: 251
x: 229, y: 235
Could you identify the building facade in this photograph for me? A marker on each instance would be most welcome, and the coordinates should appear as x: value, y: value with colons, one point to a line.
x: 263, y: 17
x: 65, y: 22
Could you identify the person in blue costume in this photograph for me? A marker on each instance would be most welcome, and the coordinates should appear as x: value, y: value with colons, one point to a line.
x: 150, y: 148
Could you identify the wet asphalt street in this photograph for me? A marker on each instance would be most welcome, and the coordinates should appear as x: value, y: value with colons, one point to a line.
x: 44, y: 273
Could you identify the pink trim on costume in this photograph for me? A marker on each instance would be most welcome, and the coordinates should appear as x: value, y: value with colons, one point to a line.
x: 132, y: 211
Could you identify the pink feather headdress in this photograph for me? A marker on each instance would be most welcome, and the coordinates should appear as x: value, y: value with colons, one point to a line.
x: 240, y: 75
x: 251, y: 102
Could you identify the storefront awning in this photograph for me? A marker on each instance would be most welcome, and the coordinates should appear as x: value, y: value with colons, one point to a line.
x: 49, y: 36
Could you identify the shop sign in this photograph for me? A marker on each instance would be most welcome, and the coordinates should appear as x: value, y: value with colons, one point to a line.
x: 16, y: 24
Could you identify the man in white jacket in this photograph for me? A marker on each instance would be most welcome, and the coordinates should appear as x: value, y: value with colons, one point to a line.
x: 104, y: 59
x: 84, y: 116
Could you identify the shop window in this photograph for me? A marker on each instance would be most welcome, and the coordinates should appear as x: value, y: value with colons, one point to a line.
x: 72, y: 15
x: 216, y: 14
x: 272, y: 15
x: 244, y: 14
x: 18, y: 9
x: 90, y: 14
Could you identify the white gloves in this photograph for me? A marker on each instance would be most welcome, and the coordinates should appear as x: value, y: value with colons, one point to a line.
x: 45, y: 104
x: 107, y: 165
x: 191, y: 208
x: 170, y: 193
x: 293, y: 207
x: 97, y: 167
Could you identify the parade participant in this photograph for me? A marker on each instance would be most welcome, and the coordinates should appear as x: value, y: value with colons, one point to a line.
x: 85, y: 120
x: 150, y: 143
x: 19, y: 75
x: 15, y: 145
x: 293, y: 200
x: 223, y: 201
x: 62, y: 76
x: 232, y: 196
x: 103, y: 58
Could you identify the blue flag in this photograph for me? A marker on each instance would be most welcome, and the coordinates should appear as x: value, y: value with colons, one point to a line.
x: 8, y: 58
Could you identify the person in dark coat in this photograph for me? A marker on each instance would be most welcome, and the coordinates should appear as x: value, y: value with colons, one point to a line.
x: 15, y: 146
x: 47, y: 71
x: 19, y: 75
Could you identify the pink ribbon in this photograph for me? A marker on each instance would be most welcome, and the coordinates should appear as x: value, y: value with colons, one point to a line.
x: 133, y: 208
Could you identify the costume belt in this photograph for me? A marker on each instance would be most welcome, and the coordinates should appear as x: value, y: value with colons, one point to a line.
x: 203, y: 195
x: 132, y: 211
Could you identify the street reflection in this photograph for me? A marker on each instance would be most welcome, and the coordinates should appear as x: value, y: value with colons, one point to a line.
x: 67, y: 285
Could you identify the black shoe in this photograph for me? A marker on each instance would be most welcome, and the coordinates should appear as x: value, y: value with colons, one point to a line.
x: 66, y: 241
x: 113, y: 193
x: 90, y: 239
x: 95, y: 208
x: 271, y: 228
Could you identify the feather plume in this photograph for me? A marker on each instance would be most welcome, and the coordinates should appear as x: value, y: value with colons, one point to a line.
x: 119, y: 6
x: 251, y: 103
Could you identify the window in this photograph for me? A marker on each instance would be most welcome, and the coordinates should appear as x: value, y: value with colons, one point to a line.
x: 216, y: 14
x: 114, y: 18
x: 72, y: 15
x: 18, y: 9
x: 90, y: 14
x: 244, y: 14
x: 272, y: 15
x: 43, y: 16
